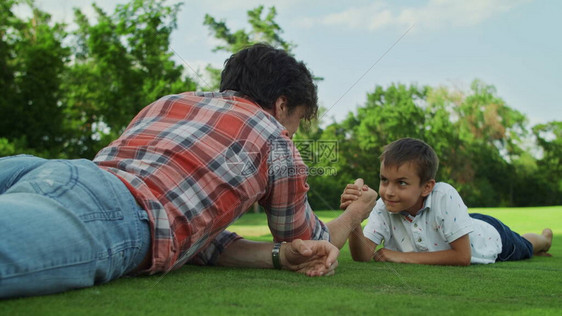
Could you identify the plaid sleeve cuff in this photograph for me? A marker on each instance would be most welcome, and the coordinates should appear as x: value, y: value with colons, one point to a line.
x: 210, y: 255
x: 321, y: 231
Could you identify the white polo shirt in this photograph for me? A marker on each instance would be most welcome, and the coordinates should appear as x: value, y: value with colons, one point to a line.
x: 443, y: 219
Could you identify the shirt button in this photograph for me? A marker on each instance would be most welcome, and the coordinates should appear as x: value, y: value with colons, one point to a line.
x: 416, y: 225
x: 419, y: 239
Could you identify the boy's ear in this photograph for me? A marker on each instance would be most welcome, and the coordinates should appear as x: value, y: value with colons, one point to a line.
x: 428, y: 187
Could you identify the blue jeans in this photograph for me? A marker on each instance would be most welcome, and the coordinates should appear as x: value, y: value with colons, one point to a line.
x: 65, y: 224
x: 514, y: 247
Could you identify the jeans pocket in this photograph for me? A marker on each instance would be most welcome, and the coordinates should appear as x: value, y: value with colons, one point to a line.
x: 53, y: 179
x: 79, y: 185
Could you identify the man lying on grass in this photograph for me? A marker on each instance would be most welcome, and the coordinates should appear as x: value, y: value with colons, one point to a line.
x: 163, y: 193
x: 421, y: 221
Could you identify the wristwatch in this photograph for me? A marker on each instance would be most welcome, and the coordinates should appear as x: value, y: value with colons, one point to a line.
x: 275, y: 255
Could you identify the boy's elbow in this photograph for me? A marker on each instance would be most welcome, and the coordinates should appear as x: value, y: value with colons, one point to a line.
x: 464, y: 261
x: 459, y: 262
x: 360, y: 258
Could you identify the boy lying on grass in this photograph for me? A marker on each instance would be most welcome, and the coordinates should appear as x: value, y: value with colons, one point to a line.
x: 421, y: 221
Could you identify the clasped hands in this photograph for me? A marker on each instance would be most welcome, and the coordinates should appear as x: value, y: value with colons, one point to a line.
x: 361, y: 195
x: 318, y: 258
x: 358, y: 191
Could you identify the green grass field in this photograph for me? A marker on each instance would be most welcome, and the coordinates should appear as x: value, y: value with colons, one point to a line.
x: 530, y: 287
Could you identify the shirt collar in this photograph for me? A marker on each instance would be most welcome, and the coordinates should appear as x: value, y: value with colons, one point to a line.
x: 237, y: 94
x: 426, y: 206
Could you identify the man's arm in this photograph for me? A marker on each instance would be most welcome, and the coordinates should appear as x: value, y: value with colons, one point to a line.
x: 458, y: 255
x: 310, y: 257
x: 353, y: 216
x: 289, y: 215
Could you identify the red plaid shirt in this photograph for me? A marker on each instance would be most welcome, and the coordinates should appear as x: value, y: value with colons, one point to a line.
x: 197, y: 161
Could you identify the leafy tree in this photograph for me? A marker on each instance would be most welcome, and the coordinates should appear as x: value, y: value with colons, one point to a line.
x: 442, y: 133
x: 263, y: 30
x: 549, y: 138
x: 493, y: 131
x: 122, y: 63
x: 322, y: 149
x: 475, y: 135
x: 8, y: 24
x: 32, y: 61
x: 62, y: 102
x: 388, y: 114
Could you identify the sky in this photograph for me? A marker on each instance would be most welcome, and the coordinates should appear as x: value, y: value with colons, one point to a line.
x: 356, y: 45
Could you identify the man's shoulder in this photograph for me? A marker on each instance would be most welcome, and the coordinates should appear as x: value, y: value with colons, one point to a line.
x: 209, y: 96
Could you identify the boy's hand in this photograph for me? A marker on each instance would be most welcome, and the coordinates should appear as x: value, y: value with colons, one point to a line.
x: 353, y: 192
x: 387, y: 255
x: 363, y: 203
x: 356, y: 211
x: 356, y: 191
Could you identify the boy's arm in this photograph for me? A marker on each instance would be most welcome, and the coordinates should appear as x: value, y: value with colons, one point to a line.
x: 458, y: 255
x: 355, y: 213
x: 361, y: 247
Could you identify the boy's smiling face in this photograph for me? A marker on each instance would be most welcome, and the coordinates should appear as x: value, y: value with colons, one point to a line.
x: 401, y: 190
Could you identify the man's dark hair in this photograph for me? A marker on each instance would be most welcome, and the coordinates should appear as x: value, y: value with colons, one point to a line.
x: 264, y: 74
x: 412, y: 150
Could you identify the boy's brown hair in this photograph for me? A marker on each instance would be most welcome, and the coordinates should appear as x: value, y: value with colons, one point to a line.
x: 412, y: 150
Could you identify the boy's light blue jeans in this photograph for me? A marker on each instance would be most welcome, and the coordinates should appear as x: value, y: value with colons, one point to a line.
x: 65, y: 224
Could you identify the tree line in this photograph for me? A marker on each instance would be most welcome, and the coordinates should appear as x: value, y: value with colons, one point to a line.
x: 67, y: 94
